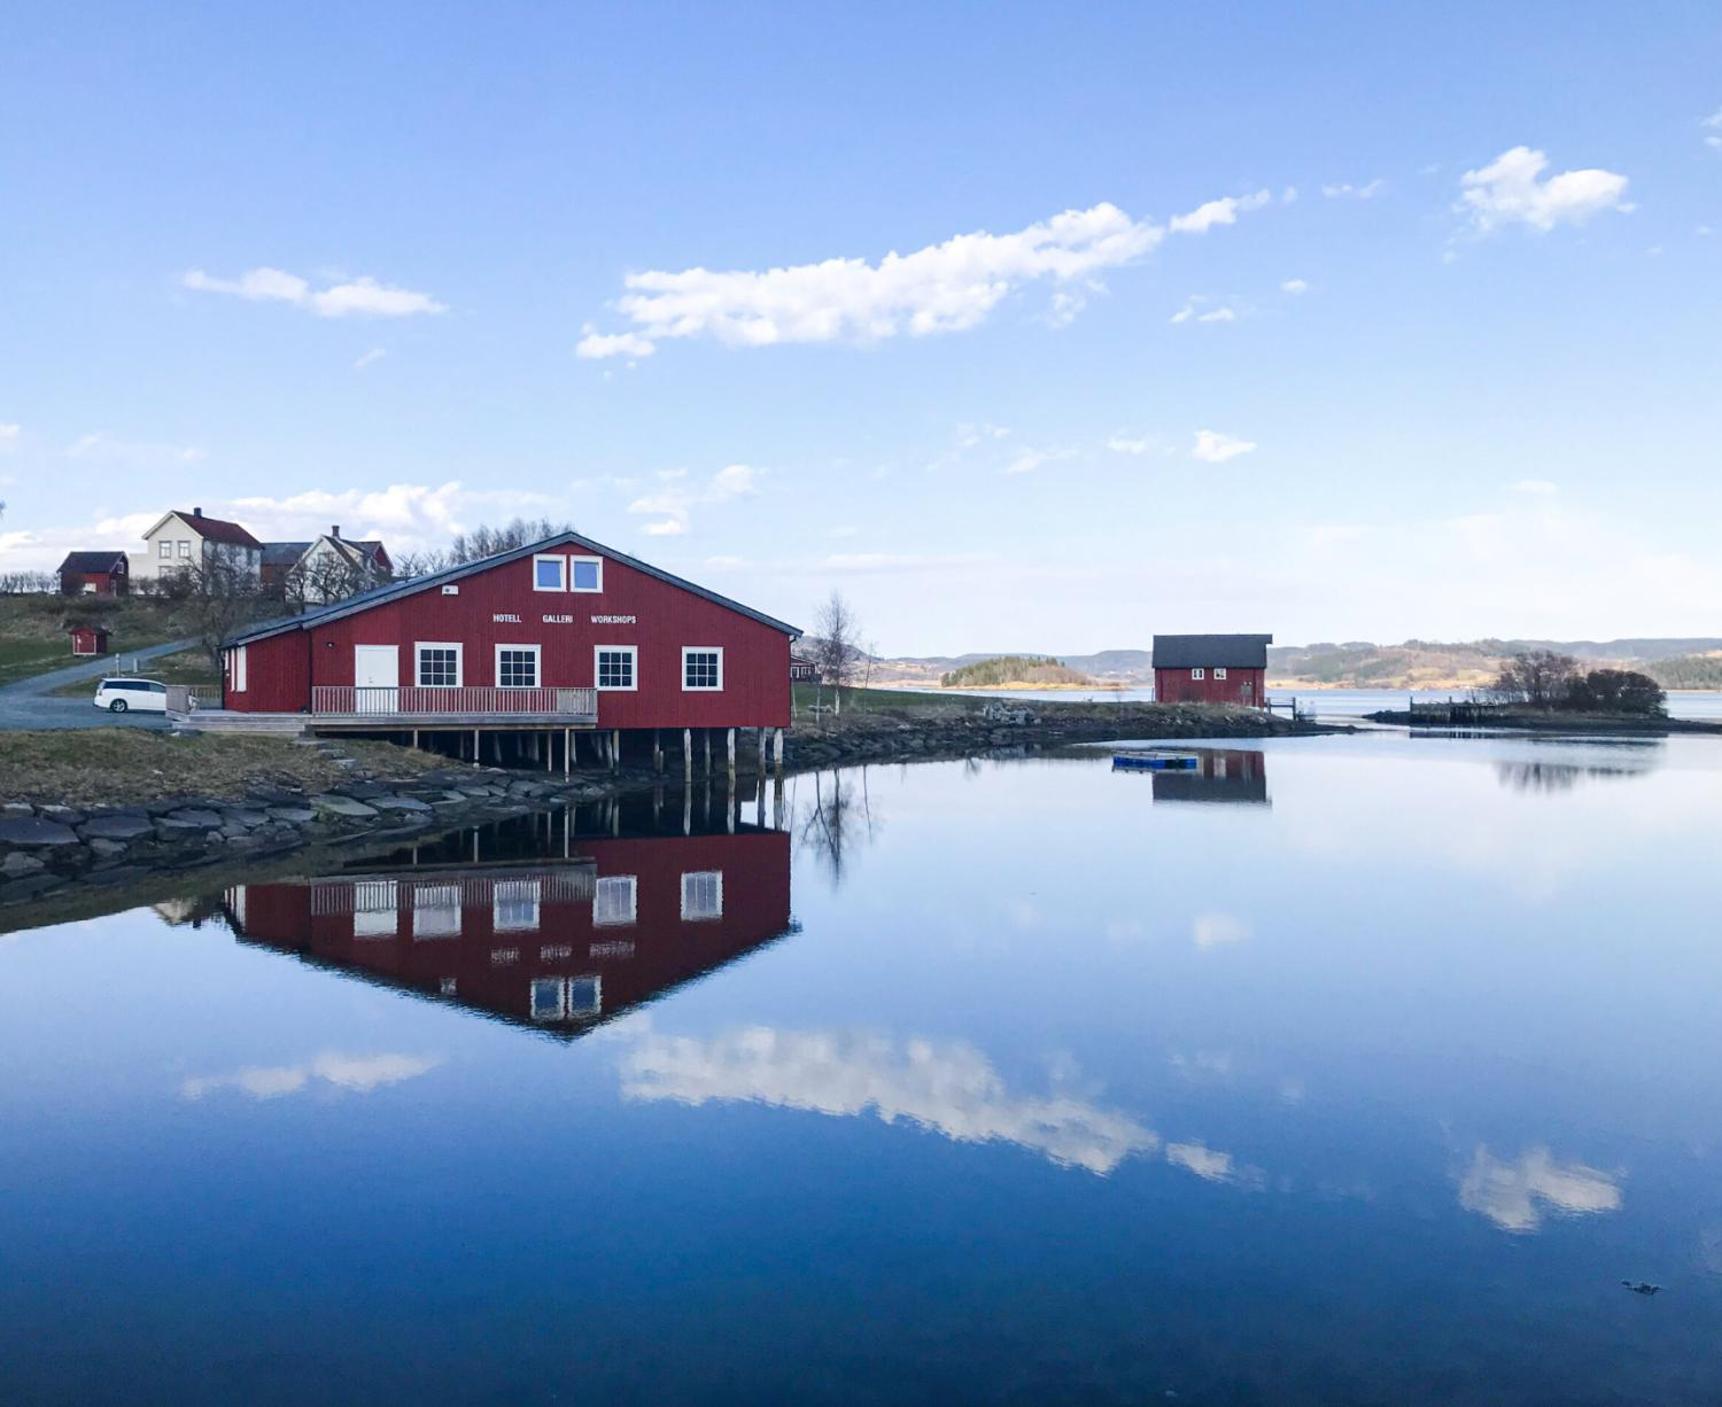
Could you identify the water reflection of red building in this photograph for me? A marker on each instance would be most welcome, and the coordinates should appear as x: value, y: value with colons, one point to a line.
x: 559, y: 944
x: 1221, y: 774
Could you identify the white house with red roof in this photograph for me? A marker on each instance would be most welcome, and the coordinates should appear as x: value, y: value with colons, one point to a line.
x: 181, y: 541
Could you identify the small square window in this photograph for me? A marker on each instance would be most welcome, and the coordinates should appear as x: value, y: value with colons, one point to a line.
x: 549, y: 573
x: 587, y: 573
x: 549, y: 999
x: 702, y: 896
x: 517, y: 666
x: 1219, y: 674
x: 439, y: 666
x: 514, y: 906
x: 1198, y: 674
x: 185, y: 551
x: 585, y: 996
x: 702, y: 668
x: 615, y: 900
x: 614, y: 666
x: 164, y: 549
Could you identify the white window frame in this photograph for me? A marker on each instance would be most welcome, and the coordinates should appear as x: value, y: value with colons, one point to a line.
x: 164, y: 549
x: 633, y: 651
x: 608, y: 884
x: 688, y: 688
x: 551, y: 986
x: 185, y: 549
x: 586, y: 590
x: 420, y: 646
x: 239, y: 669
x: 688, y: 915
x: 514, y: 906
x: 561, y: 571
x: 376, y: 909
x: 1198, y: 673
x: 441, y: 916
x: 597, y: 1006
x: 537, y: 653
x: 1220, y: 672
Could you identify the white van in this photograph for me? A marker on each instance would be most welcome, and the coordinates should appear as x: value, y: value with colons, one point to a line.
x: 124, y: 695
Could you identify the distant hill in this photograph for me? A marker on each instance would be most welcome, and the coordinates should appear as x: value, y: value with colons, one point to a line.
x: 1675, y: 663
x: 1034, y: 671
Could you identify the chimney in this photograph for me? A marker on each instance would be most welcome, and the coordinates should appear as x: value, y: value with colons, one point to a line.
x: 335, y: 531
x: 197, y: 512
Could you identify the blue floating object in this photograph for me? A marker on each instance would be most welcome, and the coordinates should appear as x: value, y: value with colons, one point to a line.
x: 1155, y: 761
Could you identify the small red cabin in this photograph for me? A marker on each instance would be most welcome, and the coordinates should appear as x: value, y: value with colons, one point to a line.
x: 89, y: 640
x: 563, y: 634
x: 94, y: 574
x: 1211, y: 669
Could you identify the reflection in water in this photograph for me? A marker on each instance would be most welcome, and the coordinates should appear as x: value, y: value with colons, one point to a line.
x: 358, y: 1073
x: 1514, y: 1195
x: 839, y: 816
x: 535, y: 920
x: 947, y: 1086
x: 1563, y: 776
x: 1238, y: 775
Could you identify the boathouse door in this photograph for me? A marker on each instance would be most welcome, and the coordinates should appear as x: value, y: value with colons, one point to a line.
x: 376, y: 676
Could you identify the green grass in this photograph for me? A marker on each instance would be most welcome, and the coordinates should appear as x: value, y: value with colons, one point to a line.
x: 21, y: 659
x: 182, y: 667
x: 33, y: 637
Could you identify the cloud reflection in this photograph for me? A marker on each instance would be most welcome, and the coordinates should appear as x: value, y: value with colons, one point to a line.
x: 358, y: 1073
x: 949, y: 1087
x: 1515, y: 1195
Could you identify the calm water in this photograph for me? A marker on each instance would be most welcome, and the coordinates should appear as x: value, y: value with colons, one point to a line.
x: 1341, y: 703
x: 1345, y: 1070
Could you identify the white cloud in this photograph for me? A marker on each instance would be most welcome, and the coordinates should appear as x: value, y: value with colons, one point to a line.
x: 1512, y: 190
x: 1207, y: 1163
x: 595, y: 345
x: 1294, y: 286
x: 1515, y: 1195
x: 9, y: 433
x: 1224, y: 211
x: 1192, y: 311
x: 359, y: 1074
x: 1712, y: 126
x: 376, y: 354
x: 947, y: 1087
x: 672, y: 507
x: 1026, y: 461
x: 947, y: 287
x: 1130, y: 444
x: 1345, y: 190
x: 361, y: 296
x: 1212, y: 447
x: 1218, y: 930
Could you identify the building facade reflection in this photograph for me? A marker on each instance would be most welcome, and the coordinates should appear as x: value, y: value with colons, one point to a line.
x: 537, y: 920
x: 1238, y: 775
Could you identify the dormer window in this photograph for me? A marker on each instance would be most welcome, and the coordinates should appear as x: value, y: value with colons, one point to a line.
x: 549, y: 573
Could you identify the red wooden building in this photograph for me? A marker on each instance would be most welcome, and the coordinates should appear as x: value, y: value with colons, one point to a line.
x: 94, y: 574
x: 89, y: 640
x: 557, y: 638
x: 1213, y: 669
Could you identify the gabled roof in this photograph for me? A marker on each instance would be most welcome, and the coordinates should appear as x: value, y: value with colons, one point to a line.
x: 283, y: 554
x: 215, y: 529
x: 398, y: 590
x: 93, y: 562
x: 1203, y: 651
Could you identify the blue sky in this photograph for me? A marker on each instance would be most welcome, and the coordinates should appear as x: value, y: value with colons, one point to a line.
x: 1364, y: 321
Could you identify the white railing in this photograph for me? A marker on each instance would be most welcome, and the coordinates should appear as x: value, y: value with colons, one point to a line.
x: 419, y: 701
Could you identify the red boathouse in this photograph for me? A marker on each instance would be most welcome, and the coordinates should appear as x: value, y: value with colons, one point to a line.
x: 559, y: 637
x: 1211, y: 669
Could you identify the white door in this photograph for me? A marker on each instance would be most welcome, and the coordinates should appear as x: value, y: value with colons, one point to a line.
x: 376, y: 676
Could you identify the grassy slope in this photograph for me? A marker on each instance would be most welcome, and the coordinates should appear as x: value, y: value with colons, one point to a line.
x: 33, y: 635
x: 118, y: 766
x: 183, y: 667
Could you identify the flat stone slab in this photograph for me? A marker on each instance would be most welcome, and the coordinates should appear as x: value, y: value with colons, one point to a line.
x: 329, y: 804
x: 293, y: 815
x: 397, y: 803
x: 18, y: 864
x: 245, y: 816
x: 194, y: 817
x: 117, y: 827
x: 33, y: 830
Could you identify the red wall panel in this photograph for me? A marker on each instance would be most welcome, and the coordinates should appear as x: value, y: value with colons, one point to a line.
x: 1245, y: 686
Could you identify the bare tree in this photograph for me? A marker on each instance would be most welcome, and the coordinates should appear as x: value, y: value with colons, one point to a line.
x: 217, y: 598
x: 326, y: 577
x: 836, y: 648
x: 482, y: 541
x: 1540, y: 678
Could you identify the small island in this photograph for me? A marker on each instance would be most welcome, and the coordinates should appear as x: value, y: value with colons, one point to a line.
x: 1019, y: 672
